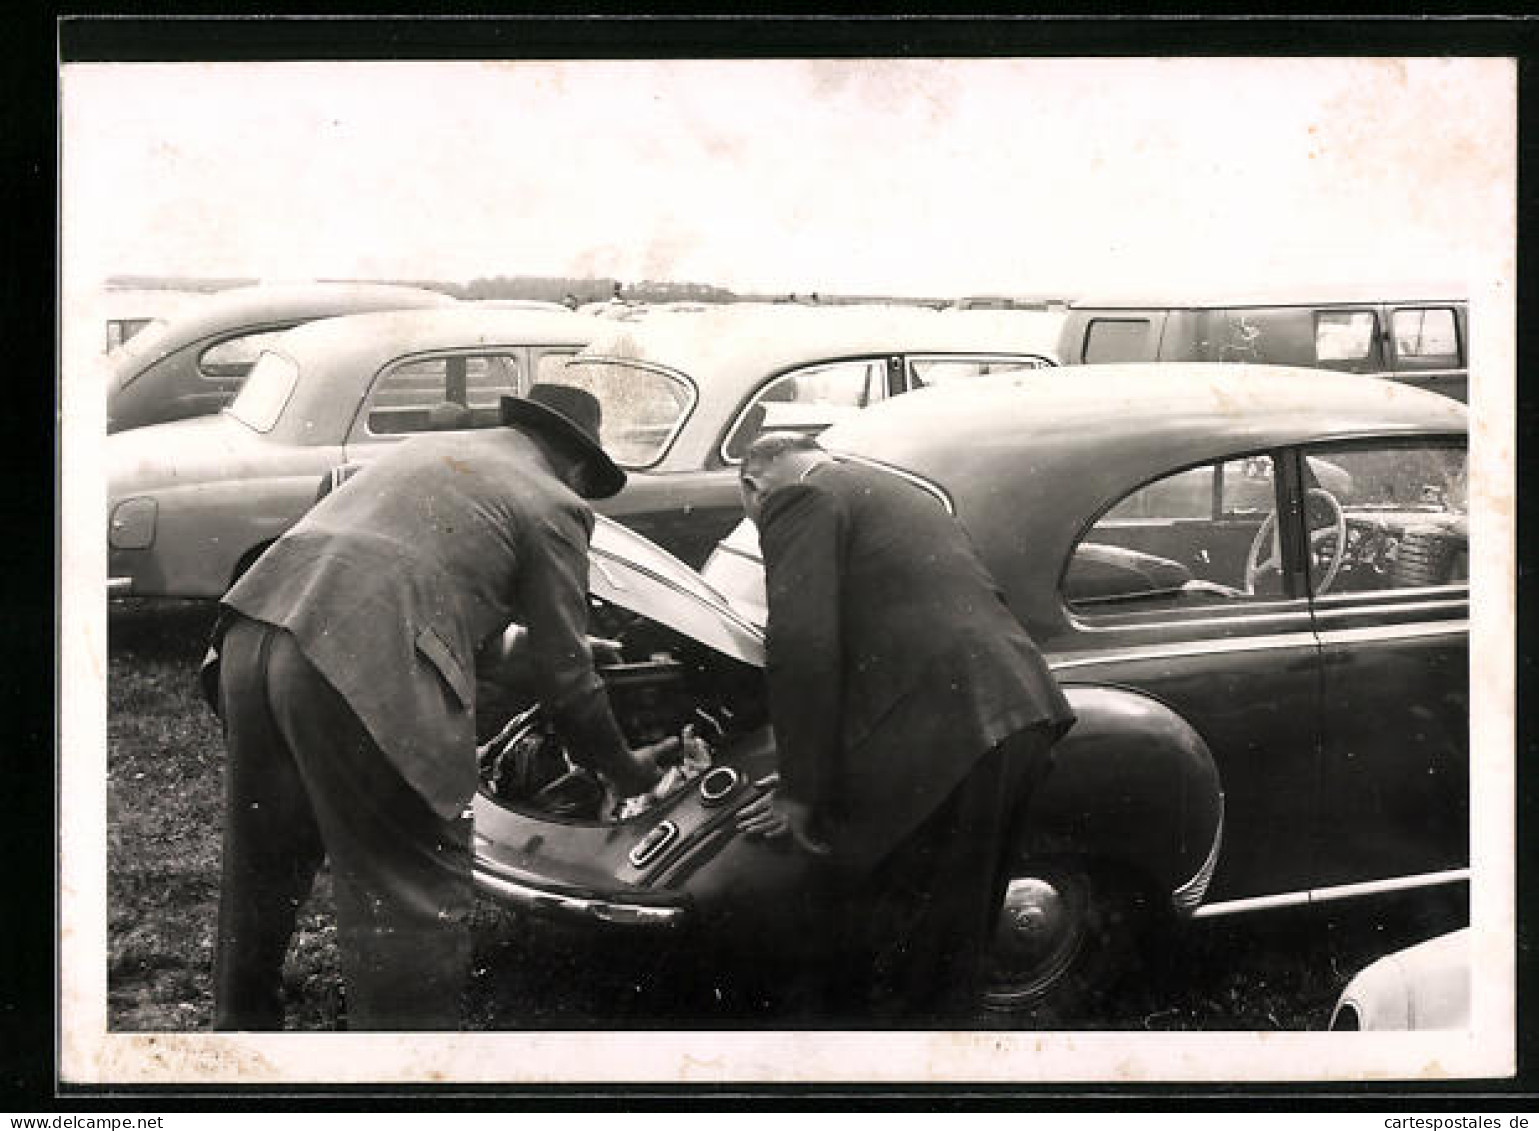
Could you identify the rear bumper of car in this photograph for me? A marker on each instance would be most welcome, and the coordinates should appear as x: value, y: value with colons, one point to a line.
x: 120, y: 586
x: 522, y: 891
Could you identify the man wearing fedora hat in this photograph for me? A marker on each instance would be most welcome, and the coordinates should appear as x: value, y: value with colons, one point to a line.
x: 346, y: 685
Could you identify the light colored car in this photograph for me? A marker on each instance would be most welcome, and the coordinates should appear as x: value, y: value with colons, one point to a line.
x: 720, y: 376
x: 1426, y: 986
x: 192, y: 502
x: 1241, y: 576
x: 194, y: 362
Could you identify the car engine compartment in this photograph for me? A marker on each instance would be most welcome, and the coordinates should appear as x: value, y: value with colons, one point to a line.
x: 660, y: 684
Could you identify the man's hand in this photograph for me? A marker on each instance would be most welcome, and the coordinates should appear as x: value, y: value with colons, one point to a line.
x: 772, y: 816
x: 646, y: 762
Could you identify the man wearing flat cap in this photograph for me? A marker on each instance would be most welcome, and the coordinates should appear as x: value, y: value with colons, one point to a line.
x: 347, y: 689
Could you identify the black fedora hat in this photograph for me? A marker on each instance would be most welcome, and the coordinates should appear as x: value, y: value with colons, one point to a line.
x: 570, y: 416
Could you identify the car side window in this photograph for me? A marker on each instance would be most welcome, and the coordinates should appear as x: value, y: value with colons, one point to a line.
x: 1425, y: 337
x: 234, y: 357
x: 1347, y: 339
x: 1117, y: 339
x: 1401, y: 511
x: 441, y: 394
x: 924, y: 372
x: 807, y: 400
x: 1203, y: 535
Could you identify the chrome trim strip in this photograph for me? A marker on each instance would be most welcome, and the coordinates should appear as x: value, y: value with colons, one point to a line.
x: 1088, y: 623
x: 530, y: 898
x: 1220, y: 644
x: 1394, y: 632
x: 929, y: 488
x: 119, y: 586
x: 1455, y: 593
x: 1327, y: 895
x: 1290, y: 640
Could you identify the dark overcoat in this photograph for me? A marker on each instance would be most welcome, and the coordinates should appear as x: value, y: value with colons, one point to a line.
x: 893, y: 662
x: 393, y: 583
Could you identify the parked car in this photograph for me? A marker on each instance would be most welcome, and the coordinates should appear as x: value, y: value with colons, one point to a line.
x: 194, y: 502
x: 1271, y: 676
x: 719, y: 376
x: 1419, y: 335
x: 1426, y: 986
x: 191, y: 503
x: 193, y: 363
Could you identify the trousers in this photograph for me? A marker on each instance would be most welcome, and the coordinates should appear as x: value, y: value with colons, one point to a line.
x: 915, y: 931
x: 304, y: 782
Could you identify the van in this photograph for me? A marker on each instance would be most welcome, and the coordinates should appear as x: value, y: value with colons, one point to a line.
x: 1421, y: 341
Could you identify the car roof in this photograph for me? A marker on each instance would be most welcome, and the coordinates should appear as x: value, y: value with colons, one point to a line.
x: 1116, y: 409
x: 1313, y: 294
x: 766, y: 338
x: 279, y: 302
x: 1042, y: 452
x: 728, y: 350
x: 338, y: 357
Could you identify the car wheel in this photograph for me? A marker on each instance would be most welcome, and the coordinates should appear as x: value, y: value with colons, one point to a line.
x: 1065, y: 929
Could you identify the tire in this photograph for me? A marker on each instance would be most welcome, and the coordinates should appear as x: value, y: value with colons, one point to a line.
x: 1067, y: 930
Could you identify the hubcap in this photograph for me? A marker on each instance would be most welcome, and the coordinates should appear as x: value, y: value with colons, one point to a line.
x: 1041, y: 929
x: 1034, y: 918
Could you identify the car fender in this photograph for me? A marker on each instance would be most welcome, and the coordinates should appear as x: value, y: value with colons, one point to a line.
x: 1133, y: 785
x: 205, y: 531
x: 1426, y: 986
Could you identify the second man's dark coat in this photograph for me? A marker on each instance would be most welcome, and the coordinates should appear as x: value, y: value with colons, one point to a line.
x: 893, y: 662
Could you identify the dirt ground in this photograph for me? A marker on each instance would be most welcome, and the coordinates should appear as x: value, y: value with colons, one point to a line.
x: 1281, y: 970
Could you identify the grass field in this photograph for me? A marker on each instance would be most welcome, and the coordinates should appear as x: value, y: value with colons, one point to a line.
x: 1282, y: 970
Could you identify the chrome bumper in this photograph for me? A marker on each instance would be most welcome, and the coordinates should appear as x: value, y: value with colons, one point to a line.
x: 119, y: 586
x: 506, y: 888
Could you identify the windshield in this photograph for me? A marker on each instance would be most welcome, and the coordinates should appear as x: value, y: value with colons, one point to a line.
x: 643, y: 406
x: 265, y: 392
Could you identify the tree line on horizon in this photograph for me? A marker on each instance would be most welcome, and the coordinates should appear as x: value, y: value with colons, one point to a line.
x: 574, y: 291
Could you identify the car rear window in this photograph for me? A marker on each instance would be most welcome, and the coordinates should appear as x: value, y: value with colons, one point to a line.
x: 643, y: 406
x: 266, y: 391
x: 233, y: 357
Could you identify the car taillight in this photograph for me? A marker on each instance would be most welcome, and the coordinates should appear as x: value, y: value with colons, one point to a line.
x: 132, y: 526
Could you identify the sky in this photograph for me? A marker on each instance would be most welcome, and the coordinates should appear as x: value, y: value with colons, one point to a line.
x: 923, y: 177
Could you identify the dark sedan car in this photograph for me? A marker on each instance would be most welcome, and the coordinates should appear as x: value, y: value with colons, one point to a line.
x: 1251, y: 581
x: 194, y: 363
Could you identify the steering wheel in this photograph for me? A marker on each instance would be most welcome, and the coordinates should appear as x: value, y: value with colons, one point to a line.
x: 1267, y: 533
